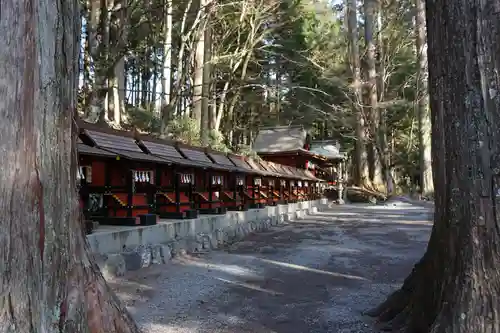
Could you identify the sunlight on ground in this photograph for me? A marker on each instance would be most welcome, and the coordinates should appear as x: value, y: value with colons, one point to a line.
x: 151, y: 327
x: 399, y: 206
x: 229, y: 269
x: 313, y: 270
x: 382, y: 221
x: 250, y: 286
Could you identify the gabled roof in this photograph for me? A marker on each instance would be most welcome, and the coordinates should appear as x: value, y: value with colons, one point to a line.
x: 198, y: 156
x: 258, y: 167
x: 167, y: 152
x: 280, y: 139
x: 327, y: 148
x: 222, y: 159
x: 83, y: 149
x: 106, y: 142
x: 122, y: 145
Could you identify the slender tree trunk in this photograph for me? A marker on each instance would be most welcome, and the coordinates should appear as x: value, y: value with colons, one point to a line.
x: 178, y: 100
x: 213, y: 107
x: 87, y: 81
x: 230, y: 116
x: 98, y: 47
x: 49, y: 280
x: 114, y: 101
x: 120, y: 70
x: 105, y: 57
x: 198, y: 70
x: 361, y: 162
x: 384, y: 152
x: 122, y: 86
x: 166, y: 81
x: 424, y: 122
x: 455, y: 287
x: 207, y: 75
x: 373, y: 113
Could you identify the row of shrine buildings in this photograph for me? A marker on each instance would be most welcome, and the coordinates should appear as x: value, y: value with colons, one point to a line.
x: 125, y: 177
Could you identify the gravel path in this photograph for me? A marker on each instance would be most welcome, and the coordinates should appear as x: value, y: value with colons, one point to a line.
x: 313, y: 275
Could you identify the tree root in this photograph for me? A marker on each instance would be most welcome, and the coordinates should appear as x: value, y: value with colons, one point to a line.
x: 391, y: 307
x: 398, y: 300
x: 397, y: 323
x: 394, y: 313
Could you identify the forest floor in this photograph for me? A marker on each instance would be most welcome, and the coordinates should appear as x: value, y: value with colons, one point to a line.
x: 312, y: 275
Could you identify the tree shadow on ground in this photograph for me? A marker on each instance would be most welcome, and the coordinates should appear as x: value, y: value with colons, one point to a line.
x: 312, y: 275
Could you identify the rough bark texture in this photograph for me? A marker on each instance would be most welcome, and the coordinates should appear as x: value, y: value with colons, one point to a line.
x: 48, y: 281
x: 455, y: 287
x: 207, y: 76
x: 372, y: 112
x: 424, y: 121
x: 166, y: 79
x: 361, y: 159
x: 199, y: 62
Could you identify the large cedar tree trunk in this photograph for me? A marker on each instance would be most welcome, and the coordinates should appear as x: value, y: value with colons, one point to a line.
x: 424, y: 126
x: 455, y: 287
x: 372, y: 112
x: 361, y: 158
x: 48, y: 279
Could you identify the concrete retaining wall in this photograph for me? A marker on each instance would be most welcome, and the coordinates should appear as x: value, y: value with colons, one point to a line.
x: 130, y: 248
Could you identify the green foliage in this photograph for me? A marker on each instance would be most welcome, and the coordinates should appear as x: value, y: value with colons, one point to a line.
x: 216, y: 141
x: 245, y: 150
x: 184, y: 129
x: 284, y: 62
x: 143, y: 119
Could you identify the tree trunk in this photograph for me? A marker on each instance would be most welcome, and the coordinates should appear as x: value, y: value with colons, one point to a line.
x: 105, y: 57
x: 384, y: 152
x: 87, y: 80
x: 50, y: 282
x: 372, y: 111
x: 361, y: 163
x: 207, y: 75
x: 424, y: 122
x: 122, y: 84
x: 98, y: 47
x: 198, y: 70
x: 454, y: 288
x: 166, y: 80
x: 177, y: 100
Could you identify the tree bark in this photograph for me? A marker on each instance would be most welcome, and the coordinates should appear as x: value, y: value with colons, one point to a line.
x: 207, y: 76
x: 383, y: 149
x: 98, y: 48
x: 49, y: 281
x: 424, y: 122
x: 372, y: 112
x: 198, y: 70
x: 166, y: 79
x: 361, y: 162
x: 455, y: 287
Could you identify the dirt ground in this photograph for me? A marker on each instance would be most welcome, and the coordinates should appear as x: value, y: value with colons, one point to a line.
x: 314, y: 275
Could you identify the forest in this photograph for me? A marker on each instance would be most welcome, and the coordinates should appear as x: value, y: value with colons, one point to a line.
x: 213, y: 72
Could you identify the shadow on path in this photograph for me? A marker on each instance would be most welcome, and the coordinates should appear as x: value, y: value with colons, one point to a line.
x: 313, y: 275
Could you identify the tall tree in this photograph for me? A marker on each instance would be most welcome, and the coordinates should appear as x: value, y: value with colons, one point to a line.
x: 49, y: 280
x: 166, y: 79
x: 372, y: 113
x: 207, y: 76
x: 455, y: 287
x: 199, y: 63
x: 383, y: 148
x: 361, y: 163
x: 424, y: 121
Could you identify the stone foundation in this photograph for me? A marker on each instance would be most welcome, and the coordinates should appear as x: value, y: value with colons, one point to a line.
x: 130, y: 248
